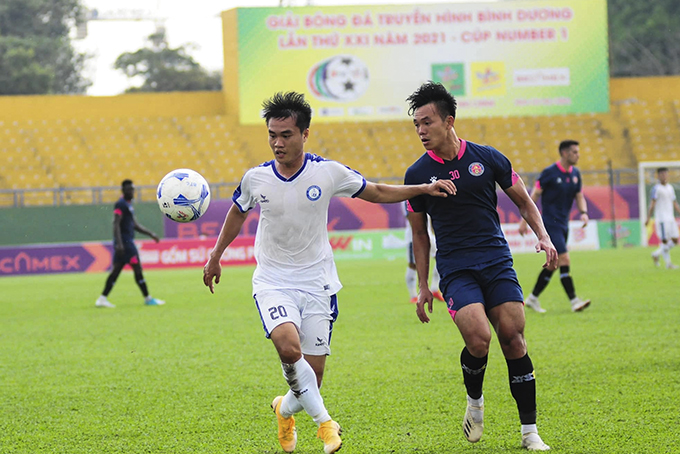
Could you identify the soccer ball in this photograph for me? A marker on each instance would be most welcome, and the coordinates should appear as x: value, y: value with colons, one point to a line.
x: 183, y: 195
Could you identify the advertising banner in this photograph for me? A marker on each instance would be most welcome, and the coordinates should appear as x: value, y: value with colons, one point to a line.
x: 361, y: 62
x: 580, y: 239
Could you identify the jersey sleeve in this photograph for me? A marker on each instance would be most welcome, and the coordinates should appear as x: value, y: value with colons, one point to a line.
x: 654, y: 193
x: 502, y: 169
x: 347, y: 182
x: 120, y: 208
x: 416, y: 204
x: 542, y: 180
x: 243, y: 197
x: 579, y: 184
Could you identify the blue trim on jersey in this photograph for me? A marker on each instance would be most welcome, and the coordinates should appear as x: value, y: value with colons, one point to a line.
x: 308, y: 157
x: 654, y: 194
x: 267, y: 334
x: 363, y: 185
x: 334, y: 314
x: 237, y: 194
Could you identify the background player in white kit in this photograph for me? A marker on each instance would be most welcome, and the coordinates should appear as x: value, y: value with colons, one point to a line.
x: 663, y: 202
x: 296, y: 282
x: 411, y: 273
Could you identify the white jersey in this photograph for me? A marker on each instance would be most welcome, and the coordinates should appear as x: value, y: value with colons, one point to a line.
x: 664, y: 195
x: 291, y: 243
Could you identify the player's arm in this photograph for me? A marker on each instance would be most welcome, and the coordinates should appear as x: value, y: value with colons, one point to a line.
x: 677, y: 207
x: 535, y: 195
x: 421, y: 253
x: 529, y: 211
x: 117, y: 218
x: 230, y: 229
x: 141, y: 229
x: 582, y: 206
x: 650, y: 211
x: 390, y: 193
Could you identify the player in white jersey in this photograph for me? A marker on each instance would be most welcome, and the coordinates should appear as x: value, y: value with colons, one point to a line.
x: 663, y: 202
x: 411, y: 274
x: 295, y: 282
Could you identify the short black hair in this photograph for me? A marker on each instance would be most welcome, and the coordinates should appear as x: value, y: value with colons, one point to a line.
x: 127, y: 182
x: 432, y: 92
x: 661, y: 169
x: 566, y: 144
x: 288, y: 105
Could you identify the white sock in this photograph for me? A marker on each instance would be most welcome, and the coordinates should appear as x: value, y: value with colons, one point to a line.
x: 666, y: 252
x: 529, y: 428
x: 290, y: 405
x: 411, y: 282
x: 434, y: 283
x: 658, y: 251
x: 302, y: 381
x: 476, y: 402
x: 477, y: 415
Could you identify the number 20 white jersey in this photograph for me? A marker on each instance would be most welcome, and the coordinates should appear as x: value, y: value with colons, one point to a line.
x: 291, y: 243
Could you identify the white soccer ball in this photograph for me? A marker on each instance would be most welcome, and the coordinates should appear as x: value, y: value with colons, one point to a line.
x: 183, y: 195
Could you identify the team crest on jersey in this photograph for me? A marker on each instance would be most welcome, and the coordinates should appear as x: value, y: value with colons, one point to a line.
x: 575, y: 180
x: 476, y: 169
x: 313, y: 193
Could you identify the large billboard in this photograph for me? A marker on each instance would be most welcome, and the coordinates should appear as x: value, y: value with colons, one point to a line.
x: 361, y: 62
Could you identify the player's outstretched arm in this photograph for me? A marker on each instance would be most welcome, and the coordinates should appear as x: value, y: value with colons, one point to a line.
x: 390, y: 193
x: 535, y: 195
x: 582, y: 206
x: 141, y: 229
x: 529, y: 211
x: 650, y: 211
x: 421, y: 253
x: 230, y: 229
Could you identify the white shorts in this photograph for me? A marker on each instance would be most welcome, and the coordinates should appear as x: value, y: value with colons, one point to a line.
x: 312, y: 314
x: 666, y: 230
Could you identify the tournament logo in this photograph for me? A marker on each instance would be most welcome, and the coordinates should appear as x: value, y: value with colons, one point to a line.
x: 313, y: 193
x: 340, y: 78
x: 476, y: 169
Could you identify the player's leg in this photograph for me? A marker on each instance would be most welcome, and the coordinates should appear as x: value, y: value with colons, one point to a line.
x: 671, y: 245
x: 503, y: 296
x: 103, y: 300
x: 564, y: 263
x: 557, y: 236
x: 434, y: 283
x: 670, y: 238
x: 465, y: 303
x: 141, y: 283
x: 656, y: 255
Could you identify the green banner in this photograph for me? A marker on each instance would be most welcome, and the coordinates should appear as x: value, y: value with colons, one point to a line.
x: 368, y: 244
x: 627, y: 233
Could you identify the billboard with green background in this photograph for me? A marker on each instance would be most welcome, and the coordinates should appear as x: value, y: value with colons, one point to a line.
x: 361, y: 62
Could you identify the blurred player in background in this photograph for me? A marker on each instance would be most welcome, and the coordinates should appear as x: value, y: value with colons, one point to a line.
x: 296, y: 282
x: 411, y: 275
x: 125, y: 251
x: 558, y: 186
x: 473, y: 257
x: 662, y: 204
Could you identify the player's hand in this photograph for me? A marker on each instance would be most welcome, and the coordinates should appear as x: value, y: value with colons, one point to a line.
x: 584, y: 219
x: 425, y: 296
x: 441, y: 188
x: 546, y: 245
x: 647, y: 221
x: 523, y: 228
x: 155, y: 237
x: 211, y: 270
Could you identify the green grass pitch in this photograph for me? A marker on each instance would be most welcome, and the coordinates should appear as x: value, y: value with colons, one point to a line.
x: 197, y: 375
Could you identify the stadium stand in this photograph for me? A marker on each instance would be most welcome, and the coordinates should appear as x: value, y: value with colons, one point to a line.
x: 39, y: 154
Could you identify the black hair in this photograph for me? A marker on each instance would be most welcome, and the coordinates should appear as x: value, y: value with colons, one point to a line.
x: 661, y: 169
x: 566, y: 144
x: 125, y: 183
x: 288, y: 105
x: 432, y: 92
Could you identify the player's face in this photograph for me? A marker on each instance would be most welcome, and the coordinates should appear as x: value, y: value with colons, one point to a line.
x: 128, y: 192
x: 663, y: 177
x: 430, y: 127
x: 286, y: 140
x: 571, y: 155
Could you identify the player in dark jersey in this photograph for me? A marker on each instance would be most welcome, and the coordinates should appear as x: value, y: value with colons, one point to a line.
x: 125, y: 251
x: 473, y: 257
x: 558, y: 186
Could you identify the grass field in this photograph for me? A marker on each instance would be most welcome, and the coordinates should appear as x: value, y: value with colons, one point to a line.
x: 197, y: 375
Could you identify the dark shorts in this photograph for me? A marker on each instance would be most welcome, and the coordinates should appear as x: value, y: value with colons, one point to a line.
x: 491, y: 284
x: 559, y: 234
x: 129, y: 255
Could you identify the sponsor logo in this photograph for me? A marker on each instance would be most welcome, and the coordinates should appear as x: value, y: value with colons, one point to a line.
x: 541, y: 77
x: 433, y: 179
x: 523, y: 378
x: 451, y: 76
x: 320, y: 342
x: 476, y: 169
x: 340, y: 78
x: 313, y: 193
x: 263, y: 199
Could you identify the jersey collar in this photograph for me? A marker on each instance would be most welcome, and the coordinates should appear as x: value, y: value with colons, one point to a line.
x: 461, y: 152
x: 282, y: 178
x: 559, y: 166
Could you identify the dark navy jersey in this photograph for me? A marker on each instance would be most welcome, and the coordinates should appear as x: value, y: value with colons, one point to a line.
x: 127, y: 223
x: 466, y: 225
x: 559, y: 186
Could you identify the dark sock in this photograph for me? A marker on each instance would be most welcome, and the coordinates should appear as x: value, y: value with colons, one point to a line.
x: 523, y: 387
x: 139, y: 278
x: 473, y: 372
x: 567, y: 282
x: 542, y: 282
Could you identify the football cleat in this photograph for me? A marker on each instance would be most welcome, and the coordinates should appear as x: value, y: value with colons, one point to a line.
x: 672, y: 266
x: 532, y: 442
x: 329, y: 432
x: 103, y: 302
x: 532, y: 302
x: 655, y: 258
x: 154, y: 302
x: 414, y: 300
x: 577, y: 304
x: 473, y: 423
x: 438, y: 295
x: 287, y: 432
